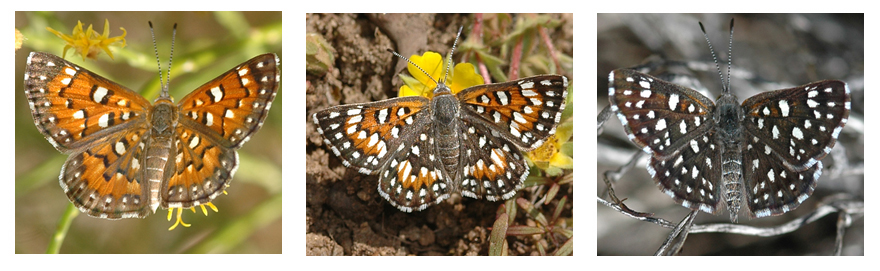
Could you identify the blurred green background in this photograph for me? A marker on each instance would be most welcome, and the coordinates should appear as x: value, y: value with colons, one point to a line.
x: 207, y: 44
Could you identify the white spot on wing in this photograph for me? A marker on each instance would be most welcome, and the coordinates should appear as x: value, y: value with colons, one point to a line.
x: 217, y: 93
x: 661, y: 124
x: 673, y: 101
x: 783, y: 107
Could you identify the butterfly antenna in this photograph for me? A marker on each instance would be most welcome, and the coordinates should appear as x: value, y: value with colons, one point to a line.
x: 723, y: 85
x: 449, y: 59
x: 414, y: 64
x: 158, y: 63
x: 170, y: 57
x: 730, y: 54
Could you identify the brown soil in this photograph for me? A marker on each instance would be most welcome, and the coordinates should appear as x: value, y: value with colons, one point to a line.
x: 345, y: 214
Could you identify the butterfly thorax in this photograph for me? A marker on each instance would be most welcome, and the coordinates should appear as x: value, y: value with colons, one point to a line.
x: 728, y: 118
x: 444, y: 106
x: 445, y: 113
x: 163, y: 120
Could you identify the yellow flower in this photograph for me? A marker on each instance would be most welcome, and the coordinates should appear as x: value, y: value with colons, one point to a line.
x: 88, y: 43
x: 555, y: 154
x: 19, y: 39
x: 464, y: 75
x: 193, y: 209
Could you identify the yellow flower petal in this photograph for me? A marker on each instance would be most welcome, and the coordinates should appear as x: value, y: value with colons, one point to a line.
x: 464, y: 76
x: 406, y: 91
x: 419, y: 84
x: 413, y: 87
x: 432, y: 63
x: 179, y: 219
x: 561, y: 161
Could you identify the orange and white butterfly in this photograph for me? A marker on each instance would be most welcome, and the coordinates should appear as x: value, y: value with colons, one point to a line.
x: 128, y: 156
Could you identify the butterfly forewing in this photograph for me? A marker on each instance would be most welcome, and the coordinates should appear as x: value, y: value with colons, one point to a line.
x: 802, y: 122
x: 72, y: 107
x: 528, y: 109
x: 235, y: 103
x: 661, y: 117
x: 365, y: 135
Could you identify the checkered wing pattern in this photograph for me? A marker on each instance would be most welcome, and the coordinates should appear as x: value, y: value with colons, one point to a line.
x: 125, y: 152
x: 393, y: 138
x: 469, y: 142
x: 703, y: 155
x: 674, y: 125
x: 364, y: 135
x: 101, y: 125
x: 71, y: 119
x: 498, y: 120
x: 214, y: 120
x: 796, y: 127
x: 764, y: 152
x: 527, y: 110
x: 415, y: 177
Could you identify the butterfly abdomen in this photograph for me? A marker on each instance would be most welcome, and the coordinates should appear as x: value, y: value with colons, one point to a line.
x: 445, y: 113
x: 732, y: 177
x: 158, y: 152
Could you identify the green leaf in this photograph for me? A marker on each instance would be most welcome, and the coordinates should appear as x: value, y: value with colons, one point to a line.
x: 497, y: 239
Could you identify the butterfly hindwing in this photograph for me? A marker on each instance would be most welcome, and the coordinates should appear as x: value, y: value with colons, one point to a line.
x: 493, y: 166
x: 414, y: 177
x: 774, y: 188
x: 106, y: 179
x: 200, y: 169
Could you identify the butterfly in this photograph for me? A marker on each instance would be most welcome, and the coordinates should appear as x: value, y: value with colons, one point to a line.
x: 468, y: 142
x: 128, y: 156
x: 763, y: 154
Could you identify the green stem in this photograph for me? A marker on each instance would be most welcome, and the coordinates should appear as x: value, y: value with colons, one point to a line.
x: 61, y: 231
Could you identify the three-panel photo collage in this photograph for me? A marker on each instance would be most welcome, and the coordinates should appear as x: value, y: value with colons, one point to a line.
x: 439, y: 134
